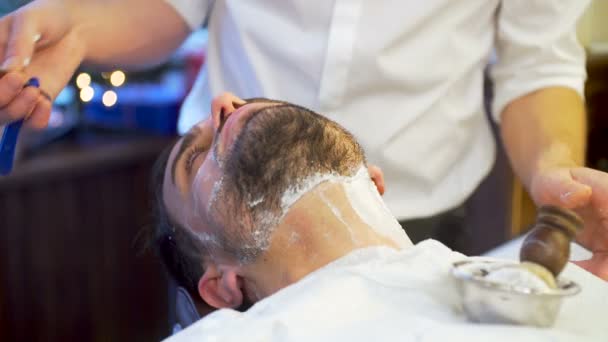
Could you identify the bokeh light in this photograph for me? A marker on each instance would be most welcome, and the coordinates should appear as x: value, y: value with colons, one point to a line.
x: 87, y: 93
x: 117, y: 78
x: 109, y: 98
x: 83, y: 80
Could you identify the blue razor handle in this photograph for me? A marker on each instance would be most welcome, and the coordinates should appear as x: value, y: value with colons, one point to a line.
x: 8, y: 143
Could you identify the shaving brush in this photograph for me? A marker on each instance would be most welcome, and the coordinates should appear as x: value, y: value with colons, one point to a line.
x: 548, y: 244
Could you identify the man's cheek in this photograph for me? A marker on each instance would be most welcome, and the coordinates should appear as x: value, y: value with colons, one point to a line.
x: 205, y: 190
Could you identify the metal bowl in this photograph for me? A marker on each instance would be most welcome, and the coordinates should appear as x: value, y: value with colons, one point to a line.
x: 487, y: 301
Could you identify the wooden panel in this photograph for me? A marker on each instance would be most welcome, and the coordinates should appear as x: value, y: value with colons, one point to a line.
x: 596, y: 93
x: 523, y: 210
x: 70, y: 265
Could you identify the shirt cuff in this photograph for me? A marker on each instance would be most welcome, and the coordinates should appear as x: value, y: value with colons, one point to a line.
x: 509, y: 91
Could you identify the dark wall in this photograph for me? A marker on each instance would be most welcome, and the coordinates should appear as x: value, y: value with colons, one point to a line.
x: 596, y: 92
x: 71, y: 265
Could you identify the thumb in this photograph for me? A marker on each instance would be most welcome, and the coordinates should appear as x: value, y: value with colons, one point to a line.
x: 559, y: 188
x: 597, y: 265
x: 573, y: 194
x: 21, y: 42
x: 377, y: 177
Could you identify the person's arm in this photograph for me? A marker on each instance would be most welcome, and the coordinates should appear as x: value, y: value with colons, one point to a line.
x: 111, y: 32
x: 542, y: 130
x: 544, y: 134
x: 539, y: 80
x: 131, y: 33
x: 49, y: 39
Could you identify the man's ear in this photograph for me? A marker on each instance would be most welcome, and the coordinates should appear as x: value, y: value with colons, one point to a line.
x: 377, y: 177
x: 220, y: 287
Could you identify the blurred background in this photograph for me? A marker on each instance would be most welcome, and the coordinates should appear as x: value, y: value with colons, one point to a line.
x: 75, y: 211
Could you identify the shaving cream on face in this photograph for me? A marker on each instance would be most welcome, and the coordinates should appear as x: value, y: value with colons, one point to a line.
x: 293, y: 238
x: 217, y: 186
x: 367, y: 203
x: 244, y: 238
x: 202, y: 205
x: 363, y: 197
x: 256, y: 201
x: 295, y: 192
x: 359, y: 189
x: 338, y: 214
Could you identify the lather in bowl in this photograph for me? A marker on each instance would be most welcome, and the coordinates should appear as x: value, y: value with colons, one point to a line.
x: 486, y: 301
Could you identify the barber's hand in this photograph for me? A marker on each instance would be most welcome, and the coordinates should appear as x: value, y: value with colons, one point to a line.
x: 586, y: 192
x: 36, y: 40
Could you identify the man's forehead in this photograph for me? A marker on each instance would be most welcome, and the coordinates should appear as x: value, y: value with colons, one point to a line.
x: 183, y: 144
x: 169, y: 188
x: 168, y: 200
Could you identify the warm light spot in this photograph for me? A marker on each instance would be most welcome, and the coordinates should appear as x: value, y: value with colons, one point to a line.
x: 83, y: 80
x: 118, y: 78
x: 86, y: 94
x: 109, y: 98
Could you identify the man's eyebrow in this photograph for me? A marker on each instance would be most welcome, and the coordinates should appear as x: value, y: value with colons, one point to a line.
x: 187, y: 141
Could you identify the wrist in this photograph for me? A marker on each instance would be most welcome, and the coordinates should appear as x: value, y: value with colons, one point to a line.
x: 68, y: 18
x: 557, y: 155
x: 80, y: 16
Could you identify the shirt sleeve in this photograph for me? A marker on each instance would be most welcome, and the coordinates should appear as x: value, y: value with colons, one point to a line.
x: 536, y: 47
x: 194, y: 12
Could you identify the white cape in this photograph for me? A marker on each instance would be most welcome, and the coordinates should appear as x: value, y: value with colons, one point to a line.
x: 379, y: 294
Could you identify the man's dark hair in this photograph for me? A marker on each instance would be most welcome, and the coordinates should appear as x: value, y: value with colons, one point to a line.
x: 178, y: 249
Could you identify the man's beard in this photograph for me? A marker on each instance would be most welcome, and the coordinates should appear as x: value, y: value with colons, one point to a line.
x: 241, y: 234
x: 278, y: 148
x: 243, y: 230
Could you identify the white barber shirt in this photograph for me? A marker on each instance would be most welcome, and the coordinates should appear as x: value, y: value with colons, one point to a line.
x: 404, y: 76
x: 380, y: 294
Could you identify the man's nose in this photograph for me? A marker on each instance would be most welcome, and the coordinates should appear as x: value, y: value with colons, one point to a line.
x: 222, y: 106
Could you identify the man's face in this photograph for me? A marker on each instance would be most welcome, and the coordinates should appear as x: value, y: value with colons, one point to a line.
x: 227, y: 180
x: 194, y: 172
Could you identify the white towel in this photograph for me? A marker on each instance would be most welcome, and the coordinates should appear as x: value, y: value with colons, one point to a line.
x: 379, y: 294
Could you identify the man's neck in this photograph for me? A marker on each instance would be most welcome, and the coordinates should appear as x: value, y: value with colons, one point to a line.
x: 322, y: 226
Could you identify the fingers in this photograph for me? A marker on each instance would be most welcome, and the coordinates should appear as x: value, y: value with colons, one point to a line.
x: 597, y: 265
x: 5, y: 30
x: 377, y: 177
x: 224, y: 104
x: 16, y: 102
x: 54, y: 66
x: 598, y: 181
x: 557, y: 187
x: 19, y: 102
x: 58, y: 54
x: 21, y: 42
x: 10, y: 86
x: 39, y: 117
x: 573, y: 194
x: 24, y: 103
